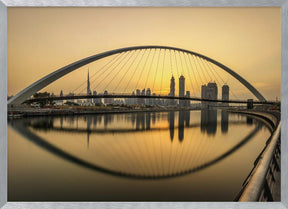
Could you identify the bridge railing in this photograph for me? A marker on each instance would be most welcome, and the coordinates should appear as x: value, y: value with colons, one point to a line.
x: 127, y: 95
x: 264, y: 179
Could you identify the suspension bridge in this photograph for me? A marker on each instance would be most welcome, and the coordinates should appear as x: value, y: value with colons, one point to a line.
x: 124, y: 72
x: 143, y: 74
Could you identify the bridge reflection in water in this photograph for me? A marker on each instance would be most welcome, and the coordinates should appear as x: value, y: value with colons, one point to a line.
x: 117, y: 146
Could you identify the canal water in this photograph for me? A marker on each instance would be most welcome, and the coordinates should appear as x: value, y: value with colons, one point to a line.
x: 149, y: 156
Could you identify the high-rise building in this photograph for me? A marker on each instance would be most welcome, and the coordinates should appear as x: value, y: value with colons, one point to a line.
x: 88, y: 88
x: 172, y: 90
x: 209, y: 91
x: 138, y: 100
x: 70, y: 100
x: 153, y: 101
x: 96, y: 100
x: 60, y: 101
x: 148, y: 93
x: 106, y: 100
x: 142, y: 99
x: 225, y: 93
x: 181, y: 90
x: 133, y: 100
x: 172, y: 86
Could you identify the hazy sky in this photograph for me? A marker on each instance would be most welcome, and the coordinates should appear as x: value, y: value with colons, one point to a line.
x: 41, y: 40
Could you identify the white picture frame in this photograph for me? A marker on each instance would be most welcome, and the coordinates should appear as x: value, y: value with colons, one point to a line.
x: 142, y: 3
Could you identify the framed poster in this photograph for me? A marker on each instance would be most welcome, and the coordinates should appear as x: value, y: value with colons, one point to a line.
x: 127, y: 103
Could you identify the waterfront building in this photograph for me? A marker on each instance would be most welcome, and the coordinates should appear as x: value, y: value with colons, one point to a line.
x: 142, y: 101
x: 138, y: 100
x: 148, y: 93
x: 89, y: 100
x: 96, y: 100
x: 70, y: 100
x: 60, y: 102
x: 153, y: 101
x: 172, y: 90
x: 225, y: 94
x: 181, y: 90
x: 209, y: 91
x: 106, y: 100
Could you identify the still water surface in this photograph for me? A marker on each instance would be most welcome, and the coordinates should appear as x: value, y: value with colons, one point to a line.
x: 153, y: 156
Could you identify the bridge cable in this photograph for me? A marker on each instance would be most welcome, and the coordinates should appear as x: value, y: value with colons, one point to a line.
x: 140, y: 76
x: 108, y: 73
x: 120, y: 81
x: 220, y: 85
x: 112, y: 60
x: 209, y: 65
x: 182, y: 68
x: 191, y: 63
x: 118, y: 71
x: 194, y: 74
x: 97, y: 77
x: 156, y: 69
x: 204, y: 74
x: 191, y: 83
x: 106, y: 70
x: 204, y: 69
x: 176, y: 64
x: 205, y: 62
x: 162, y: 70
x: 134, y: 70
x: 171, y: 66
x: 223, y: 80
x: 201, y: 74
x: 150, y: 67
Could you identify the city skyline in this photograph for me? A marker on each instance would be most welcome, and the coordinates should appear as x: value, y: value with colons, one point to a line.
x: 236, y: 49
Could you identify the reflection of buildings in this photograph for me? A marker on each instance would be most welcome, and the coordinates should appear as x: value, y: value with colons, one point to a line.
x: 184, y: 117
x: 171, y: 120
x: 187, y: 102
x: 140, y: 121
x: 224, y: 121
x: 209, y: 91
x: 148, y: 120
x: 209, y: 121
x: 249, y: 120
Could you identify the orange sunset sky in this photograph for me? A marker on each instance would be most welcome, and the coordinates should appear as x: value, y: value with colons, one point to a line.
x: 42, y: 40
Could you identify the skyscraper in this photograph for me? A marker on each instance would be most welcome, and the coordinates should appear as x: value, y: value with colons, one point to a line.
x: 225, y: 93
x: 96, y: 100
x: 148, y: 93
x: 138, y: 100
x: 60, y: 101
x: 181, y: 90
x: 172, y: 86
x: 172, y: 90
x: 142, y: 99
x: 88, y: 88
x: 106, y: 100
x: 209, y: 91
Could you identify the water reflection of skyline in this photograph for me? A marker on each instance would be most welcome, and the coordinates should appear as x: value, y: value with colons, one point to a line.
x: 108, y: 148
x: 142, y: 121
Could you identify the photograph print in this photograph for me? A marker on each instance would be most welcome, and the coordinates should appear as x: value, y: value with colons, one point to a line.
x: 144, y: 104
